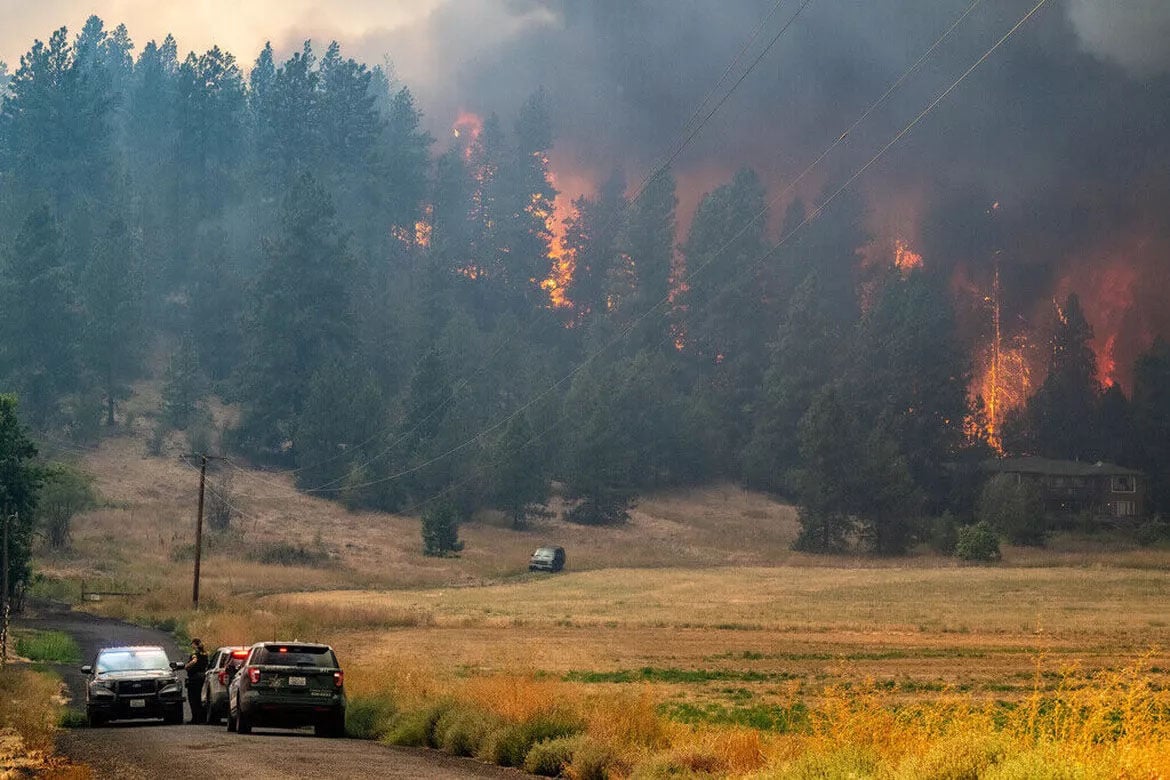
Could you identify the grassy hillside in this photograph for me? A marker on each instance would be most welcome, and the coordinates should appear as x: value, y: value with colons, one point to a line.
x: 695, y: 618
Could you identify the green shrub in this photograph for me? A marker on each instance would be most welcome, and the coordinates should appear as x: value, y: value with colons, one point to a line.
x: 461, y: 731
x: 849, y: 762
x: 286, y: 554
x: 65, y: 492
x: 1043, y: 764
x: 1014, y: 508
x: 958, y: 757
x: 440, y: 530
x: 550, y: 757
x: 692, y: 766
x: 592, y: 761
x: 977, y: 542
x: 49, y: 646
x: 72, y: 719
x: 509, y: 745
x: 943, y: 533
x: 1152, y: 531
x: 417, y: 728
x: 369, y: 717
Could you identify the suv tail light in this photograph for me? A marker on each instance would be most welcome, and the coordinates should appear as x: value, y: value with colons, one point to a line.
x: 338, y: 678
x: 223, y: 677
x: 253, y: 674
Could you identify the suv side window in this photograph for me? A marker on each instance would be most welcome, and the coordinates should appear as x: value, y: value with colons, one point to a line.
x: 215, y: 659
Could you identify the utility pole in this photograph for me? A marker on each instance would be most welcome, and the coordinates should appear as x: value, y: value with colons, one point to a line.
x: 5, y: 606
x: 203, y: 458
x: 199, y: 530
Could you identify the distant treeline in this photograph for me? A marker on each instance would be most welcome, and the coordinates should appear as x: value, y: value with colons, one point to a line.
x: 295, y: 244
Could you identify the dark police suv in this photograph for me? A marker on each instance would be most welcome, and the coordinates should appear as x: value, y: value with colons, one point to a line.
x: 126, y: 683
x: 288, y: 685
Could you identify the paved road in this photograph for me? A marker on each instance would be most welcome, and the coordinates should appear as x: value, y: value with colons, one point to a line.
x: 151, y: 750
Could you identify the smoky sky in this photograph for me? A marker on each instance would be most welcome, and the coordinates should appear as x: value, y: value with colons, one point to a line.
x: 1064, y: 129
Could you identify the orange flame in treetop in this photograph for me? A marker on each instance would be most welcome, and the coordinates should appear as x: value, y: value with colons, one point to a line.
x: 423, y: 228
x: 1004, y: 381
x: 467, y: 128
x: 562, y: 261
x: 904, y: 259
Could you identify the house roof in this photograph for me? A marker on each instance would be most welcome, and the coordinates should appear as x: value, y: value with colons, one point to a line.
x: 1057, y: 468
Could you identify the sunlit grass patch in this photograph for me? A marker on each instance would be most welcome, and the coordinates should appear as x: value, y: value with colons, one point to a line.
x: 54, y: 647
x: 671, y: 675
x: 779, y: 718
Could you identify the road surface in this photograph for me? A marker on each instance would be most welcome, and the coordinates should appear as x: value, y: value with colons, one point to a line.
x: 152, y: 750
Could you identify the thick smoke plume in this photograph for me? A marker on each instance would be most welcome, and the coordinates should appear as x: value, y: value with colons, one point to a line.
x: 1049, y: 162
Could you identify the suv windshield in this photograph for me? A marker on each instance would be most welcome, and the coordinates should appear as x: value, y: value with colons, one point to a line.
x: 294, y: 655
x: 139, y: 660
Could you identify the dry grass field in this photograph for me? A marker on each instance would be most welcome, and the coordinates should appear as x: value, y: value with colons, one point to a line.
x: 696, y: 615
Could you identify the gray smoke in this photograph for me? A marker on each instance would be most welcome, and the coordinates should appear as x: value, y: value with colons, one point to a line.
x: 1067, y: 126
x: 1132, y: 33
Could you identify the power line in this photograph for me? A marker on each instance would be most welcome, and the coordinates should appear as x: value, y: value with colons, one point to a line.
x: 726, y: 96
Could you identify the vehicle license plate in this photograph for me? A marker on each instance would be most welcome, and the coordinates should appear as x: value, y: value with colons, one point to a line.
x: 137, y: 704
x: 297, y: 681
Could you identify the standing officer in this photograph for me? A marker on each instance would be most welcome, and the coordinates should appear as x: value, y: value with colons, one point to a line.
x: 196, y: 667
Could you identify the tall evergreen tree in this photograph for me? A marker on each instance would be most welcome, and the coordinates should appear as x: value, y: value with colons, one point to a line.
x: 648, y: 240
x: 592, y: 235
x: 112, y: 295
x: 728, y: 321
x: 852, y: 478
x: 185, y: 385
x: 911, y: 375
x: 210, y: 144
x: 807, y: 354
x: 20, y: 483
x: 1060, y: 420
x: 299, y: 315
x: 39, y: 330
x: 1151, y: 420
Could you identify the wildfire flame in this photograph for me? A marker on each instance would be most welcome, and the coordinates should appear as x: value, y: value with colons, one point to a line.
x: 1005, y: 381
x: 423, y: 228
x: 904, y: 259
x: 562, y: 262
x: 467, y: 128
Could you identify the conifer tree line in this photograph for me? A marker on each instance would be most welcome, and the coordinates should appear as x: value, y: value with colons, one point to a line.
x: 285, y: 235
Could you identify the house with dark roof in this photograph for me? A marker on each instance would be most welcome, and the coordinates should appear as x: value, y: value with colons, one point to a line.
x: 1111, y: 493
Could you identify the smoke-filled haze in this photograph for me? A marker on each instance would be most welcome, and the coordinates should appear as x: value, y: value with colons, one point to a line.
x: 1051, y: 158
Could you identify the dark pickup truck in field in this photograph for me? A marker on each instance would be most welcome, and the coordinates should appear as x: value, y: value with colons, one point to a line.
x: 288, y: 685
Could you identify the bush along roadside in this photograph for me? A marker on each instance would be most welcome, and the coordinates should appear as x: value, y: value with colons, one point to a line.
x: 548, y: 743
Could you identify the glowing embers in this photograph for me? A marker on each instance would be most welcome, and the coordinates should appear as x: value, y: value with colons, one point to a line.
x: 905, y: 260
x: 424, y: 227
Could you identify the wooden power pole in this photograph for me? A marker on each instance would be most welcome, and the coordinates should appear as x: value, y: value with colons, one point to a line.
x: 199, y: 530
x: 203, y: 458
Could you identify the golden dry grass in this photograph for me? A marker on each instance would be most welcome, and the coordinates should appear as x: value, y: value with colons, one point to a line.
x: 30, y: 707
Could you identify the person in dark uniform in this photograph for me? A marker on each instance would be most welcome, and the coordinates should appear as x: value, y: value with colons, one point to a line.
x: 196, y: 668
